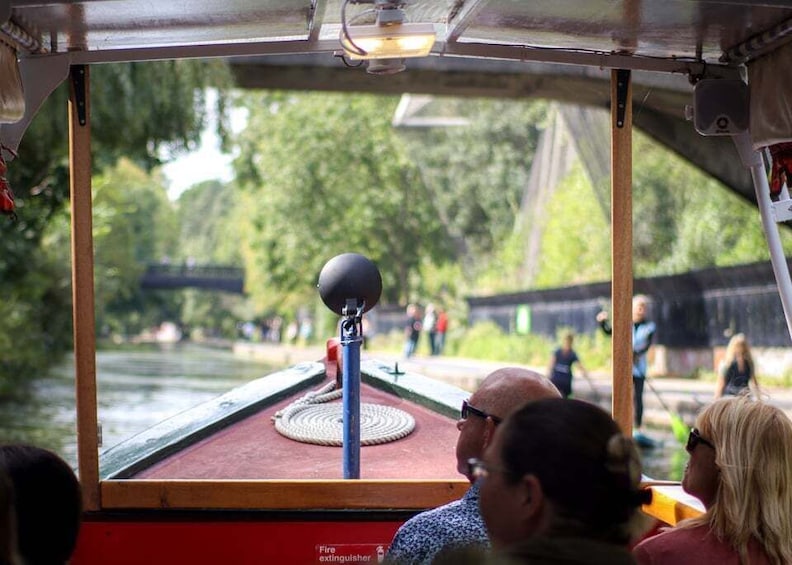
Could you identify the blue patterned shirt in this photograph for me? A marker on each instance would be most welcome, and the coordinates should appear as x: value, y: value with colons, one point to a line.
x: 455, y: 525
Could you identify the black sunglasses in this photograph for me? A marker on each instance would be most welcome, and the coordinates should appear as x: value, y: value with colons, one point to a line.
x: 467, y: 410
x: 694, y: 439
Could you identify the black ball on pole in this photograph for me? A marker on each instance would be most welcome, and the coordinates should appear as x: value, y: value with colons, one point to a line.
x: 349, y: 276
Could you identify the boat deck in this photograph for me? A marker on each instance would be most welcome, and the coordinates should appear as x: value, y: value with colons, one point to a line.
x: 253, y: 449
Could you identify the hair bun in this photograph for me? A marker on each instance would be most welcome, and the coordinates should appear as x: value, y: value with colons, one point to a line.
x: 622, y: 459
x: 623, y: 464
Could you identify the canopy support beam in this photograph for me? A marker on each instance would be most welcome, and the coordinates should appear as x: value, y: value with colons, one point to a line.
x: 84, y: 322
x: 621, y: 248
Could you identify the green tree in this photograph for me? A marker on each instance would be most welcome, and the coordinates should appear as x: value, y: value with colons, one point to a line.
x: 683, y: 219
x: 208, y: 227
x: 134, y: 225
x: 137, y: 109
x: 209, y: 233
x: 575, y: 244
x: 326, y: 174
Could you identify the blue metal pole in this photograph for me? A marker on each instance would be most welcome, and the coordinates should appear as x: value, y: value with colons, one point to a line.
x: 351, y: 339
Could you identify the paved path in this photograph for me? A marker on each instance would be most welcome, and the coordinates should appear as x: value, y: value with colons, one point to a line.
x: 682, y: 396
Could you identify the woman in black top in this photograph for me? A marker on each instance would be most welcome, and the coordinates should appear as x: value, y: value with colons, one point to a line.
x: 737, y: 372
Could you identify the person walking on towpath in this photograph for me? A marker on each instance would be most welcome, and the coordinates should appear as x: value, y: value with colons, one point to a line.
x: 560, y: 370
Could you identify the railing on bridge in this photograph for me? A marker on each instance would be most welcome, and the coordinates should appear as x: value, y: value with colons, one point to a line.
x: 208, y: 277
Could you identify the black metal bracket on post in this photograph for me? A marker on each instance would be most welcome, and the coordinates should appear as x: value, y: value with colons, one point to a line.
x: 77, y: 76
x: 622, y: 87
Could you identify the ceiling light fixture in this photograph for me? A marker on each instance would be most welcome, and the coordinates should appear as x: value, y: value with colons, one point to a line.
x: 388, y: 42
x: 389, y: 38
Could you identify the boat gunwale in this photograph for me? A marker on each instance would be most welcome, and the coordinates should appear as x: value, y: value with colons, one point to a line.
x: 306, y: 497
x: 119, y: 464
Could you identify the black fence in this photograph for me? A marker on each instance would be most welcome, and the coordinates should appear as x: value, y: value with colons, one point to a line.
x: 695, y: 309
x: 698, y: 309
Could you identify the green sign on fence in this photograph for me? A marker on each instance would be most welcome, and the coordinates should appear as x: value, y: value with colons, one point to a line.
x: 523, y: 321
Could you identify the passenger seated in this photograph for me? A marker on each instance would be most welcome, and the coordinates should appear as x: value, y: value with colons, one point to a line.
x: 429, y: 535
x: 8, y: 551
x: 741, y: 469
x: 47, y: 501
x: 560, y: 485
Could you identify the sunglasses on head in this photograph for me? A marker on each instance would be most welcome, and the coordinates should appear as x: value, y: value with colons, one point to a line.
x: 467, y: 410
x: 694, y: 438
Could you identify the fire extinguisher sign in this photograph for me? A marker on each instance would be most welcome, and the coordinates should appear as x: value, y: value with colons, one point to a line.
x: 351, y: 553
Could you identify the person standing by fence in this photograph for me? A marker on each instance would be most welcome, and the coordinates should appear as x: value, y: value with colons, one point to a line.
x: 642, y: 336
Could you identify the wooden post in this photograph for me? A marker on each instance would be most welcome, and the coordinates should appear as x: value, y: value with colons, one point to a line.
x: 83, y: 285
x: 621, y: 247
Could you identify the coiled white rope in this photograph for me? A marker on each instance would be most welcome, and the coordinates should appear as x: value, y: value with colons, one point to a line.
x: 312, y: 419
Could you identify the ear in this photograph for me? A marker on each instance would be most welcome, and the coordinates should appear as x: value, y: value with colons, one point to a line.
x: 489, y: 431
x: 532, y: 500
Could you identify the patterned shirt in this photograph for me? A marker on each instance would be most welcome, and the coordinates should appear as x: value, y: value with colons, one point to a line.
x: 425, y: 535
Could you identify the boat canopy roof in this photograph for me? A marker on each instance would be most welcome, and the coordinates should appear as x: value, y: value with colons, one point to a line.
x: 555, y: 49
x: 656, y: 35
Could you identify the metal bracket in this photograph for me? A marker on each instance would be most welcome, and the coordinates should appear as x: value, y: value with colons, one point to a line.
x: 77, y: 75
x: 622, y: 87
x: 782, y: 211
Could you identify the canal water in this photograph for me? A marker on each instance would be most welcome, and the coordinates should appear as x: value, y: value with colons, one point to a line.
x: 135, y: 390
x: 138, y: 388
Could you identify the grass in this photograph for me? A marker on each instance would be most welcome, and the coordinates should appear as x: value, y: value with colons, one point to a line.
x: 487, y: 341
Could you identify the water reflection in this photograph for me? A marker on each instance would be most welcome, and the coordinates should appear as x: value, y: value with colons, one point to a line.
x: 666, y: 461
x: 135, y: 390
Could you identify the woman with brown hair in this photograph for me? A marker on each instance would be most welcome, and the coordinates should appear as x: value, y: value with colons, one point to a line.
x: 560, y: 484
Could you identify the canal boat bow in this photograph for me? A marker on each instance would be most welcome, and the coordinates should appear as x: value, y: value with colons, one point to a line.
x: 727, y: 61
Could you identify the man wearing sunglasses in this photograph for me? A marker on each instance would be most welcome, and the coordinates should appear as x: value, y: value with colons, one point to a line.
x: 459, y: 524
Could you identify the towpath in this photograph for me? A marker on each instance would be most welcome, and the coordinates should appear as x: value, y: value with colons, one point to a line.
x: 682, y: 396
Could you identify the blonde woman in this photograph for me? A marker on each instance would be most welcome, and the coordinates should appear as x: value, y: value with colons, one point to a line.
x: 737, y: 371
x: 741, y: 469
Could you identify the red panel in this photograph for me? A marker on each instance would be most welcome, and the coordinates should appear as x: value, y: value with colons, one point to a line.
x: 233, y: 543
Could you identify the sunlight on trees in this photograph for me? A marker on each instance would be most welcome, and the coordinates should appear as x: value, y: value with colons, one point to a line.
x: 320, y: 174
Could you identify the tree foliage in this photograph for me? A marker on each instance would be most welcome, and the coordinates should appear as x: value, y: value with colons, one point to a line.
x: 575, y: 244
x: 137, y: 109
x: 134, y: 225
x: 209, y: 233
x: 682, y: 220
x: 326, y: 174
x: 208, y: 228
